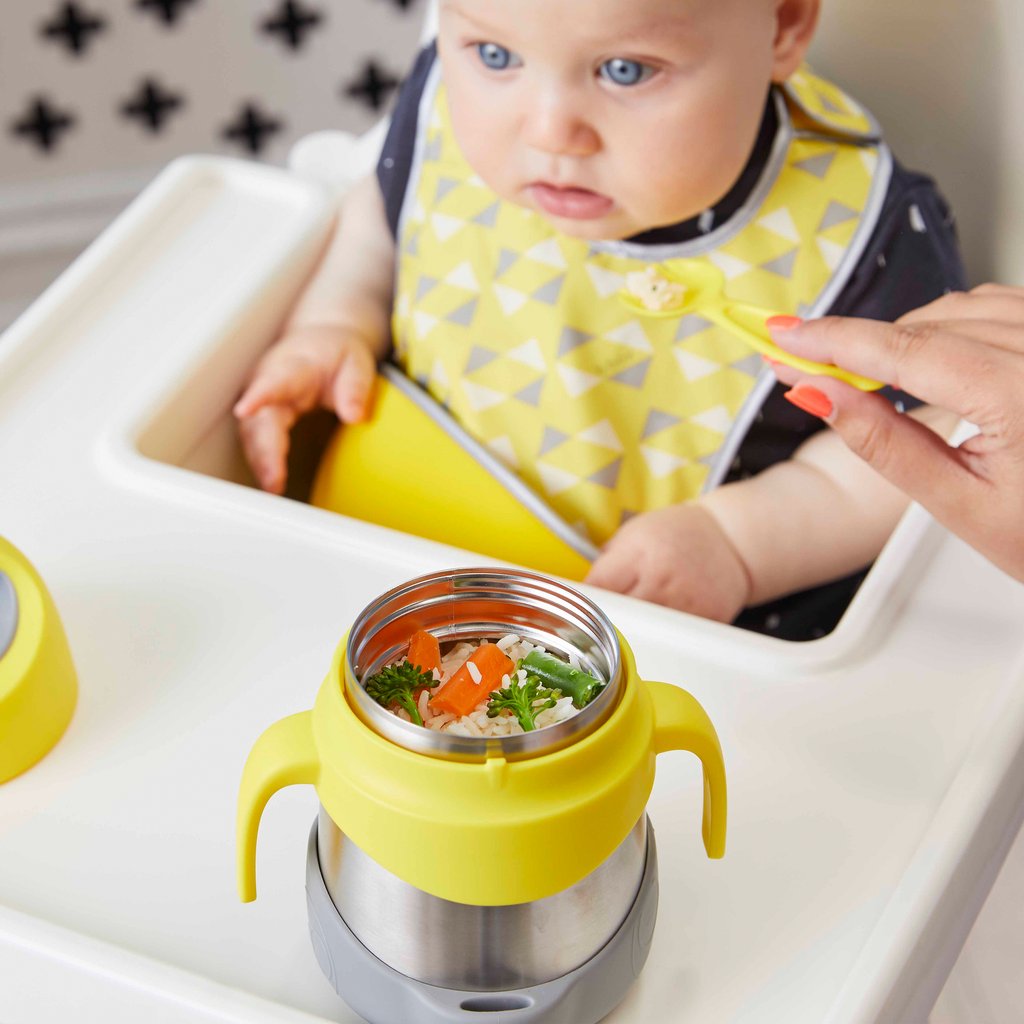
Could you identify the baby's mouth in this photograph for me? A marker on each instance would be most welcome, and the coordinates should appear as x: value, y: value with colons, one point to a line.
x: 568, y: 201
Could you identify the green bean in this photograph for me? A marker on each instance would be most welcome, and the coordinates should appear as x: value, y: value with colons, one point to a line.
x: 572, y: 682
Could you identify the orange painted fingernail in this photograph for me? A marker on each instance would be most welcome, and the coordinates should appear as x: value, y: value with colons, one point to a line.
x: 782, y: 323
x: 811, y: 400
x: 771, y: 362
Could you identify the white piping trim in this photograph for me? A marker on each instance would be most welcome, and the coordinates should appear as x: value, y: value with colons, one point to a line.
x: 865, y: 229
x: 738, y: 431
x: 519, y: 489
x: 826, y: 297
x: 872, y: 135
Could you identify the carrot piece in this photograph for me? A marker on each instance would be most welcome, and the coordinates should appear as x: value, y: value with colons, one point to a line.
x: 460, y: 695
x: 424, y: 651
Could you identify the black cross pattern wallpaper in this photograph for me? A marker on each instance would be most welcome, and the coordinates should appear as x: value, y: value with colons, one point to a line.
x: 91, y: 87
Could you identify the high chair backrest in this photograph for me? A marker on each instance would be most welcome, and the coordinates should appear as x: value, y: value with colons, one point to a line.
x: 944, y: 77
x: 338, y: 159
x: 946, y: 80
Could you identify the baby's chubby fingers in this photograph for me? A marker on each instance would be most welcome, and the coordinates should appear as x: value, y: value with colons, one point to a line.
x: 614, y: 569
x: 677, y: 556
x: 265, y: 441
x: 352, y: 387
x: 282, y: 378
x: 310, y: 366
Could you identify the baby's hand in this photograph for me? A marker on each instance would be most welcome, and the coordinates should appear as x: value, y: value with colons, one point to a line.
x: 318, y: 365
x: 677, y: 556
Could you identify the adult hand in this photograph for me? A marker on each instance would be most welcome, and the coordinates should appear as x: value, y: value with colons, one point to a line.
x: 963, y: 352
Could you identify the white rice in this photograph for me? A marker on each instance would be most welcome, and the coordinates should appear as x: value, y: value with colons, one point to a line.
x: 471, y: 727
x: 562, y: 710
x: 476, y: 723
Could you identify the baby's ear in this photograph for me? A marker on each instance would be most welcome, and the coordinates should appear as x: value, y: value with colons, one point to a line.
x: 795, y: 22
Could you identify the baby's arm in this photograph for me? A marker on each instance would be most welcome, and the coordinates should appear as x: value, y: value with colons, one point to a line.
x: 819, y: 516
x: 329, y: 347
x: 816, y: 517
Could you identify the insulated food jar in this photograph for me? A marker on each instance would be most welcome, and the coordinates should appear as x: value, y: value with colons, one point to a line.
x: 455, y: 877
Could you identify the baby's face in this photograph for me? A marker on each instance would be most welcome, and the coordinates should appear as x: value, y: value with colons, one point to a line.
x: 609, y: 117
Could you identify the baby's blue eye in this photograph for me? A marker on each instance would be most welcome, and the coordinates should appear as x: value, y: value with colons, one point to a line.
x: 625, y: 72
x: 496, y: 57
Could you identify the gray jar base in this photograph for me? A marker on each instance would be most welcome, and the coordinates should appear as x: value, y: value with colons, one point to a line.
x: 383, y: 996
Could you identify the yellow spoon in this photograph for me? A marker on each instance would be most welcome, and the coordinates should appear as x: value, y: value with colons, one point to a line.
x: 703, y: 293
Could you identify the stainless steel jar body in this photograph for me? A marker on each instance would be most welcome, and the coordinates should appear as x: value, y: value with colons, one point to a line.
x: 486, y: 949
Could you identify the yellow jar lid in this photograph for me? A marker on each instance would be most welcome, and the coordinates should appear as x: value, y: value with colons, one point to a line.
x: 488, y: 834
x: 38, y: 686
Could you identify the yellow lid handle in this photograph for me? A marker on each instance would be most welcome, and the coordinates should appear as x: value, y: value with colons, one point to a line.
x: 680, y: 723
x: 285, y: 755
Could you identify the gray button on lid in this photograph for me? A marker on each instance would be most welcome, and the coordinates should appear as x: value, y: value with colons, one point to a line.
x: 8, y: 612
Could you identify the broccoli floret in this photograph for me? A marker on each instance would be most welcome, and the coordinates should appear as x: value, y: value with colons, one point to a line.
x: 521, y: 700
x: 398, y: 684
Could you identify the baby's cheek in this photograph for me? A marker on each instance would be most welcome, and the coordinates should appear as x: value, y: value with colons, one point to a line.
x: 668, y: 198
x: 483, y: 150
x: 687, y: 180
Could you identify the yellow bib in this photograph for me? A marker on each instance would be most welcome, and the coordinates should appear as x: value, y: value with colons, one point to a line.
x: 528, y: 339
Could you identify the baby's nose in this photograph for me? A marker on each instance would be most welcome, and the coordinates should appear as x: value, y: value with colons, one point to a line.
x: 556, y: 125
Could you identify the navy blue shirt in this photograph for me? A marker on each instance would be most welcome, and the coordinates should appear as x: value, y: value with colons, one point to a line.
x: 912, y: 258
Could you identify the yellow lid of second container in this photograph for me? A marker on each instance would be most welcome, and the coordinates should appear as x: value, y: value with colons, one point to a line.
x: 38, y: 685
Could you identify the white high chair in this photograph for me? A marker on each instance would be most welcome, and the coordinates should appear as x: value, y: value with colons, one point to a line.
x: 945, y: 79
x: 876, y: 776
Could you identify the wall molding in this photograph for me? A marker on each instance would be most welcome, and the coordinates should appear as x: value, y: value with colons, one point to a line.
x: 44, y: 225
x: 63, y: 214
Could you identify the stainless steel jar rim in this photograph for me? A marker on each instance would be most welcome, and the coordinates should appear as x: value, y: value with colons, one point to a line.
x: 530, y: 598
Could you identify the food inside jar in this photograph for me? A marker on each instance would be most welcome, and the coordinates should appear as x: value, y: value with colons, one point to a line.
x: 482, y: 687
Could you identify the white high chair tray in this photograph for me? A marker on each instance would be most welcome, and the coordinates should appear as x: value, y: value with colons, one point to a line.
x: 875, y: 776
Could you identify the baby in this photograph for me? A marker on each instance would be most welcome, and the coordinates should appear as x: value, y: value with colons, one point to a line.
x: 553, y: 171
